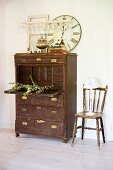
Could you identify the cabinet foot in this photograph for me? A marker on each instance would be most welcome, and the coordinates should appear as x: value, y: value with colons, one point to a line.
x: 17, y: 134
x: 65, y: 140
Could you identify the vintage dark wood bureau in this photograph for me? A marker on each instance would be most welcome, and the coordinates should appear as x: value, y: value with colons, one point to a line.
x: 49, y: 114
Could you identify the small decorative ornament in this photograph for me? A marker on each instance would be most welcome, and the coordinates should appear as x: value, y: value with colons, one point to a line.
x: 42, y: 44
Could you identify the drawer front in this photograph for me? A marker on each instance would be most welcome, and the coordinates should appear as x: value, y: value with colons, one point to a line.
x: 39, y: 60
x: 20, y: 99
x: 23, y: 110
x: 47, y: 128
x: 48, y: 113
x: 39, y: 127
x: 56, y: 101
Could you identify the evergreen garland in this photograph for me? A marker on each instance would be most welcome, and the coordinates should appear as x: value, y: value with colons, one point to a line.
x: 28, y: 89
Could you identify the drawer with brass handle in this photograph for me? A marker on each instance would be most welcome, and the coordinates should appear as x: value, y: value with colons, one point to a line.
x: 57, y: 101
x: 47, y: 113
x: 48, y: 128
x: 45, y: 59
x: 23, y: 110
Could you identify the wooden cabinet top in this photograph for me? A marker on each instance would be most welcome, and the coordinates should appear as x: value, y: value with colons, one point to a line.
x: 45, y: 54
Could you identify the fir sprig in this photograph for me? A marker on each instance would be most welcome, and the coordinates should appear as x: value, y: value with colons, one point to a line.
x: 29, y: 88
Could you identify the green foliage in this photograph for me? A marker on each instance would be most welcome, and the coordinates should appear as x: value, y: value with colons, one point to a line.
x: 28, y: 89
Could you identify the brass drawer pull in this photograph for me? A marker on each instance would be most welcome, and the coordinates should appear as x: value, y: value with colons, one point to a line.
x: 24, y: 97
x: 24, y: 123
x: 40, y: 121
x: 38, y: 107
x: 53, y: 60
x: 54, y: 126
x: 24, y: 109
x: 38, y: 59
x: 23, y: 60
x: 53, y: 99
x: 53, y: 111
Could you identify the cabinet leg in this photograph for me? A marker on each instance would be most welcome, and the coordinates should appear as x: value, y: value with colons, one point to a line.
x: 17, y: 134
x: 65, y: 133
x: 65, y: 140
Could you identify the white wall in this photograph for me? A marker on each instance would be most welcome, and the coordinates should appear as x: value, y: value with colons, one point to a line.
x: 94, y: 50
x: 2, y: 58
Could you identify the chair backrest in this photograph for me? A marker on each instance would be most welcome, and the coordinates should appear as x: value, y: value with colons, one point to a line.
x: 94, y: 99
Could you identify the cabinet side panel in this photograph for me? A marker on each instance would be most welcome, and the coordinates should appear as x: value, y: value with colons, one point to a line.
x: 71, y: 92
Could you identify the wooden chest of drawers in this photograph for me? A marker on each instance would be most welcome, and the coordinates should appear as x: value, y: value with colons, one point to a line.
x: 40, y: 115
x: 49, y: 115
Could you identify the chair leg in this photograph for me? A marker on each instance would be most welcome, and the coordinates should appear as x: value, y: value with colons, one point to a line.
x: 83, y: 123
x: 102, y: 127
x: 98, y: 132
x: 74, y: 130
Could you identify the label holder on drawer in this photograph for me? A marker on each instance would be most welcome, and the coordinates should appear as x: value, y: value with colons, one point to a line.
x: 53, y: 112
x: 38, y: 59
x: 24, y: 123
x: 53, y: 60
x: 24, y: 97
x: 23, y: 109
x: 53, y: 99
x: 54, y: 126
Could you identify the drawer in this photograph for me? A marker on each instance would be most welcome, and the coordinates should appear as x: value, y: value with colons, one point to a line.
x: 39, y: 59
x: 42, y: 100
x: 20, y: 99
x: 56, y: 101
x: 39, y: 127
x: 47, y: 128
x: 23, y: 110
x: 49, y: 113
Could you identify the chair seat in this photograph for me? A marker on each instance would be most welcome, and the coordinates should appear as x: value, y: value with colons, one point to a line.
x: 88, y: 115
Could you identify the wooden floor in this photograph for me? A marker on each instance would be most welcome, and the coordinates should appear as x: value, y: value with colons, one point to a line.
x: 40, y: 153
